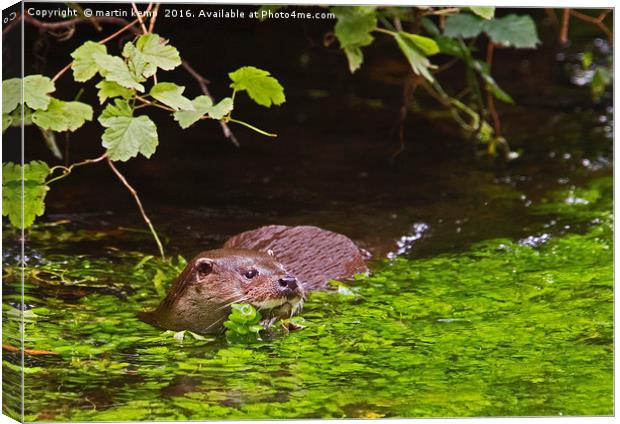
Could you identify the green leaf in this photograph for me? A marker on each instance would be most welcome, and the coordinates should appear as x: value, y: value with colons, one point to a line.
x: 496, y: 90
x: 126, y: 136
x: 221, y: 109
x: 509, y: 31
x: 186, y: 118
x: 84, y: 65
x: 355, y: 57
x: 261, y: 87
x: 449, y: 46
x: 203, y: 105
x: 513, y: 31
x: 36, y: 89
x: 63, y: 116
x: 138, y: 64
x: 485, y: 12
x: 600, y: 80
x: 463, y: 25
x: 152, y: 51
x: 119, y: 108
x: 428, y: 46
x: 111, y: 89
x: 34, y: 191
x: 419, y: 63
x: 113, y: 68
x: 171, y: 95
x: 7, y: 120
x: 355, y: 24
x: 11, y: 94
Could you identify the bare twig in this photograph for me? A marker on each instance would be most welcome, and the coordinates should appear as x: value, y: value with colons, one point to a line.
x: 135, y: 9
x: 67, y: 169
x: 490, y: 99
x: 128, y: 26
x: 202, y: 82
x: 72, y: 22
x: 598, y: 21
x: 411, y: 84
x: 154, y: 17
x: 134, y: 193
x: 552, y: 17
x: 564, y: 28
x: 13, y: 23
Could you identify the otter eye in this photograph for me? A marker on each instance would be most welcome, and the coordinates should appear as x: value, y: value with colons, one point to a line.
x: 250, y: 273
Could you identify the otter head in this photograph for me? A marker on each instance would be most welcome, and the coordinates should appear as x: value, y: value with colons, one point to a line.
x: 200, y: 298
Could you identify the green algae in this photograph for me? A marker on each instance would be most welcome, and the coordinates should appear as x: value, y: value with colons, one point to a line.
x: 501, y: 329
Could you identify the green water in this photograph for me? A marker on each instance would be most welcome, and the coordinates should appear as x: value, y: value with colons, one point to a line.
x: 500, y: 329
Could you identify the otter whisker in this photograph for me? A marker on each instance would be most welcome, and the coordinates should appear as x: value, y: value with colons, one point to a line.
x: 236, y: 300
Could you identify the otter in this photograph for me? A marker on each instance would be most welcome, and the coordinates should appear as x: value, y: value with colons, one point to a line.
x: 271, y: 268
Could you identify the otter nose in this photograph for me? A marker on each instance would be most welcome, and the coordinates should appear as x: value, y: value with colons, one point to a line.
x: 288, y: 282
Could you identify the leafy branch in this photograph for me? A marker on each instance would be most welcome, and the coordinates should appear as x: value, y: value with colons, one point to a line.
x: 356, y: 26
x: 128, y: 83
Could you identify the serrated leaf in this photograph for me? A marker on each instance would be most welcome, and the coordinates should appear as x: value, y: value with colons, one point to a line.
x: 152, y: 51
x: 463, y: 25
x: 138, y: 63
x: 36, y: 90
x: 203, y: 105
x: 63, y: 116
x: 355, y: 57
x: 126, y: 136
x: 513, y: 31
x: 7, y: 120
x: 11, y: 94
x: 485, y: 12
x: 84, y: 65
x: 171, y: 95
x: 111, y: 89
x: 419, y: 63
x: 119, y: 108
x: 261, y: 87
x: 186, y: 118
x: 34, y: 191
x: 113, y: 68
x: 428, y: 46
x: 221, y: 109
x: 355, y: 25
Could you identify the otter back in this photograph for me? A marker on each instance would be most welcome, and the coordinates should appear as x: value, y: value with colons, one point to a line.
x: 312, y: 254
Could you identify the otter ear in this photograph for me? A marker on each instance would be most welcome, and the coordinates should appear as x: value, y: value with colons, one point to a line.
x: 204, y: 266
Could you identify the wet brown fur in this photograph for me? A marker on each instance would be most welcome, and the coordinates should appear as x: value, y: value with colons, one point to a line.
x: 201, y: 303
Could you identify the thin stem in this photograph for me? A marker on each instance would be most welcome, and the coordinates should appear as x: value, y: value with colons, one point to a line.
x: 135, y: 9
x: 134, y: 193
x: 564, y: 28
x: 258, y: 130
x: 67, y: 169
x: 149, y: 103
x: 598, y: 22
x: 153, y: 18
x: 385, y: 31
x: 105, y: 40
x: 202, y: 82
x: 62, y: 71
x: 120, y: 31
x: 490, y: 100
